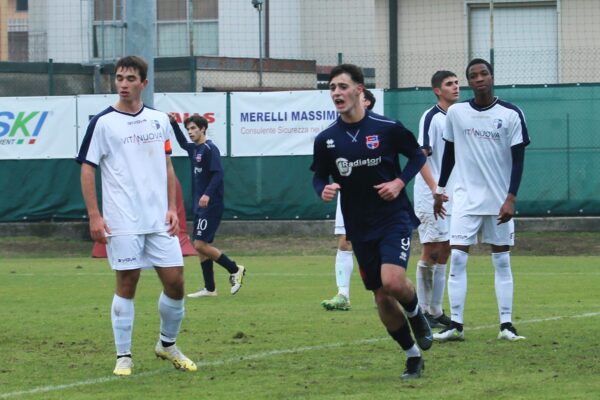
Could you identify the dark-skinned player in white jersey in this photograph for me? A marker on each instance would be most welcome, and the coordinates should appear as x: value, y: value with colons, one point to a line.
x: 359, y: 152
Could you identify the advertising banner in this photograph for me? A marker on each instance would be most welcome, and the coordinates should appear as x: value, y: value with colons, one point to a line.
x: 281, y: 123
x: 37, y: 127
x: 89, y: 105
x: 212, y: 106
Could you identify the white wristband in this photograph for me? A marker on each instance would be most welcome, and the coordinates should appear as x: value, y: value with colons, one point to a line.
x: 440, y: 190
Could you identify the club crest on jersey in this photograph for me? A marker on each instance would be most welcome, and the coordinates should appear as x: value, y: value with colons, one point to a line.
x: 155, y: 124
x: 372, y: 142
x: 497, y: 123
x: 198, y: 157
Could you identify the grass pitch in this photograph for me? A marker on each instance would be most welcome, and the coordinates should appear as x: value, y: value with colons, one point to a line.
x: 273, y: 341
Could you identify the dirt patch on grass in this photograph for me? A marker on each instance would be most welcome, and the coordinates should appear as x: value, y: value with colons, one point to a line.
x: 528, y: 243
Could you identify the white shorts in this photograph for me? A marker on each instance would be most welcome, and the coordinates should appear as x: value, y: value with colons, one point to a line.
x: 143, y: 251
x: 433, y: 230
x: 340, y: 228
x: 464, y: 229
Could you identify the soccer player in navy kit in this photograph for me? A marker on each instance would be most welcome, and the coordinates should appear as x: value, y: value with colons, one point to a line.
x: 360, y: 152
x: 344, y: 264
x: 486, y: 138
x: 207, y: 203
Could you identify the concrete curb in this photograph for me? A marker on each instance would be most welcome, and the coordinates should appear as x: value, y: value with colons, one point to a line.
x: 79, y: 230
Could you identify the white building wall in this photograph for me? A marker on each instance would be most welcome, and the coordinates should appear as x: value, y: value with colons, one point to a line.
x: 60, y: 29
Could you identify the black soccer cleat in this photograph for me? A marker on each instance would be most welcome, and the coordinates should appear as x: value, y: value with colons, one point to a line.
x: 421, y: 330
x: 443, y: 321
x: 414, y: 366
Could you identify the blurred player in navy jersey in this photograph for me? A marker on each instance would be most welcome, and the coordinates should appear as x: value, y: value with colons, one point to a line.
x: 359, y: 151
x: 486, y: 138
x: 207, y: 203
x: 434, y: 232
x: 344, y: 264
x: 131, y: 144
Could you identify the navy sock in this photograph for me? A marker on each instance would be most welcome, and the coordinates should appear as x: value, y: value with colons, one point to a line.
x: 228, y: 264
x: 411, y: 306
x: 403, y: 337
x: 208, y: 274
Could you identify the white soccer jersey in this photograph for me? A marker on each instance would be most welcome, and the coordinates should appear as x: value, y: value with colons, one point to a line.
x: 431, y: 129
x: 483, y: 138
x: 131, y: 151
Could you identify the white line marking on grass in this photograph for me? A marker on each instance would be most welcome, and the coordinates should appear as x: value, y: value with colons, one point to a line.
x: 257, y: 356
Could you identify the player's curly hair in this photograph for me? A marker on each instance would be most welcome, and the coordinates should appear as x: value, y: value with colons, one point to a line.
x: 354, y: 71
x: 479, y: 61
x: 197, y: 119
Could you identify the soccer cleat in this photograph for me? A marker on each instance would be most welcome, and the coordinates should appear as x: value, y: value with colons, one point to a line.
x: 173, y: 354
x: 203, y: 293
x: 338, y: 302
x: 442, y: 321
x: 449, y: 335
x: 237, y: 279
x: 414, y: 366
x: 421, y: 330
x: 123, y: 367
x: 510, y: 334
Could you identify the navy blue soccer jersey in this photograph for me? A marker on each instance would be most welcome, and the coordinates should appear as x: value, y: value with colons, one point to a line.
x: 207, y: 170
x: 359, y: 156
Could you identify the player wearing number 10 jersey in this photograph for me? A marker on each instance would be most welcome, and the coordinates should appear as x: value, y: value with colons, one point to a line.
x: 207, y: 203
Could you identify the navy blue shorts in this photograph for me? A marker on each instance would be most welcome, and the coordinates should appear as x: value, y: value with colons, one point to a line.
x: 392, y: 248
x: 206, y: 223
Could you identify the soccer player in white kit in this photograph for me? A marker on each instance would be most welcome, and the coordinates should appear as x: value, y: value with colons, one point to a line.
x: 344, y: 264
x: 138, y: 223
x: 486, y: 138
x: 434, y: 232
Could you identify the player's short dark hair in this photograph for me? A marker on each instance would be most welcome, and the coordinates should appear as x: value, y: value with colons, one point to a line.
x: 133, y: 62
x: 354, y: 71
x: 439, y: 76
x: 479, y: 61
x: 371, y: 97
x: 197, y: 119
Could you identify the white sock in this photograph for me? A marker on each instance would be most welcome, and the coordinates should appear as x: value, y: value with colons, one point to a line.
x: 457, y: 284
x: 344, y: 264
x: 413, y: 351
x: 504, y: 285
x: 437, y: 291
x: 424, y: 276
x: 122, y: 313
x: 171, y: 314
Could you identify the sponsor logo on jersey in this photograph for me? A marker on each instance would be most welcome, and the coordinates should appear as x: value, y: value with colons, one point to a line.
x: 372, y: 142
x: 22, y: 127
x: 197, y: 170
x: 345, y: 167
x: 482, y: 134
x: 330, y: 144
x: 144, y: 138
